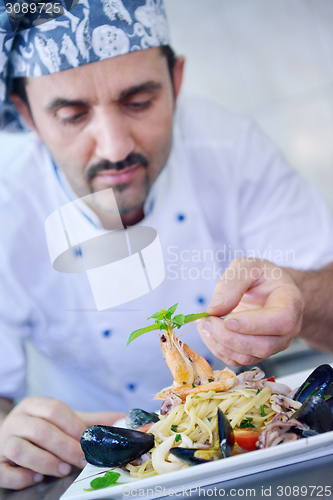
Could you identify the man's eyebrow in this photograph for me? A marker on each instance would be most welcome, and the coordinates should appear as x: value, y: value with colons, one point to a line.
x: 136, y: 89
x: 59, y: 102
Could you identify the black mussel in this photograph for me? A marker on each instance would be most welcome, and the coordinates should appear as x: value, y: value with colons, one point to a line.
x: 316, y: 382
x: 136, y: 418
x: 226, y: 444
x: 195, y: 457
x: 106, y: 446
x: 326, y: 393
x: 316, y: 414
x: 304, y: 431
x: 226, y: 434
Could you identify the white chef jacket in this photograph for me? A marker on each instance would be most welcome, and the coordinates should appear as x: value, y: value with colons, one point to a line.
x: 225, y: 191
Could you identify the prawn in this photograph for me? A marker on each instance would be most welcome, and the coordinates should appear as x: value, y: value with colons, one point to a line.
x: 191, y: 372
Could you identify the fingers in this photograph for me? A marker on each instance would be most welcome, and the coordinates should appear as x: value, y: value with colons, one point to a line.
x: 39, y: 436
x: 22, y: 452
x: 50, y: 438
x: 281, y: 315
x: 53, y: 411
x: 267, y: 309
x: 17, y: 478
x: 237, y: 348
x: 238, y: 278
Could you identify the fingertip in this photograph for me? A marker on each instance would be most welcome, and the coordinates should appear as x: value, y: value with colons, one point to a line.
x: 38, y: 478
x: 18, y: 478
x: 206, y: 327
x: 64, y: 469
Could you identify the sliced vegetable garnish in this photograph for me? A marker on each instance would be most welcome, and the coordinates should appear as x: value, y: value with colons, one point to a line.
x: 247, y: 438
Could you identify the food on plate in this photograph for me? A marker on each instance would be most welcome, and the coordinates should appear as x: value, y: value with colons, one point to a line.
x: 209, y: 414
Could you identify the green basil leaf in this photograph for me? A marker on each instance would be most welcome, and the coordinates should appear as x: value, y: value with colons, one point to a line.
x: 193, y: 317
x: 179, y: 319
x: 108, y: 479
x: 141, y: 331
x: 172, y: 309
x: 155, y: 315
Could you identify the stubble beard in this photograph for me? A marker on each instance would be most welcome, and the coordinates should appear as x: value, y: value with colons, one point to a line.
x: 126, y: 203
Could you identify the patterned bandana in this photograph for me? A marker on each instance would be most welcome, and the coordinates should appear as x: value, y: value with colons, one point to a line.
x: 42, y: 38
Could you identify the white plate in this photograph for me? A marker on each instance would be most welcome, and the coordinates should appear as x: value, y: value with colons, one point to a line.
x: 205, y: 474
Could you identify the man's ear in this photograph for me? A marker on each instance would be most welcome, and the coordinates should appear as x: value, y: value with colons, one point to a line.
x: 23, y: 109
x: 177, y: 73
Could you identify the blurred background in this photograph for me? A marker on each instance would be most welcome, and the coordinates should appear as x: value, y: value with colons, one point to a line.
x: 272, y: 61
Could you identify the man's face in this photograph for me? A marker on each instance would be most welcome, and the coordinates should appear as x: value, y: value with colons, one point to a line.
x: 108, y: 123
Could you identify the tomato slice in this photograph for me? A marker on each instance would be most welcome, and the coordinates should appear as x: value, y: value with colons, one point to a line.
x: 247, y: 438
x: 271, y: 379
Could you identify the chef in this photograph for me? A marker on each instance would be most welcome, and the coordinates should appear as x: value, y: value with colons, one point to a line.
x: 110, y: 136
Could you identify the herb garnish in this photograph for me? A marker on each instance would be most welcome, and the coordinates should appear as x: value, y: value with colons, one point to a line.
x: 174, y: 428
x: 257, y: 392
x: 164, y: 320
x: 178, y: 438
x: 246, y: 423
x: 210, y: 380
x: 262, y: 409
x: 108, y: 479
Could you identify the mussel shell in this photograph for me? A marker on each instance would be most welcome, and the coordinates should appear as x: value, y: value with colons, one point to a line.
x: 326, y: 393
x: 316, y: 414
x: 195, y: 457
x: 226, y: 434
x: 304, y: 432
x: 226, y: 444
x: 316, y: 382
x: 137, y: 417
x: 106, y: 446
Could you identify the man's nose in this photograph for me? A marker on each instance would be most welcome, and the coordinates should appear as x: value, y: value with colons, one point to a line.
x: 113, y: 136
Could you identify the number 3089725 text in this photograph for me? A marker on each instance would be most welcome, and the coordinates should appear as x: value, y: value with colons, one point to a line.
x: 25, y: 8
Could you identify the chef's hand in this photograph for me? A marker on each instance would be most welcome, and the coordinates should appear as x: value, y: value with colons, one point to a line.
x: 41, y: 436
x: 267, y: 309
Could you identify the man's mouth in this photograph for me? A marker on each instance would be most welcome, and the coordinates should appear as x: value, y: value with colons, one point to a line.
x: 115, y: 177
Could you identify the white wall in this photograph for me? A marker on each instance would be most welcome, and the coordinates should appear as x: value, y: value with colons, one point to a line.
x: 269, y: 59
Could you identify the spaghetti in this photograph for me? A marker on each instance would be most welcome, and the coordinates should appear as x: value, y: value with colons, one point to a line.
x: 193, y: 424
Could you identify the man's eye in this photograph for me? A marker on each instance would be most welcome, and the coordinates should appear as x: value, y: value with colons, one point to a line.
x: 73, y: 119
x: 70, y: 115
x: 139, y: 105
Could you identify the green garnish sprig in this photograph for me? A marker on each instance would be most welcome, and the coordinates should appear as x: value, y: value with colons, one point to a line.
x: 164, y: 320
x: 109, y: 479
